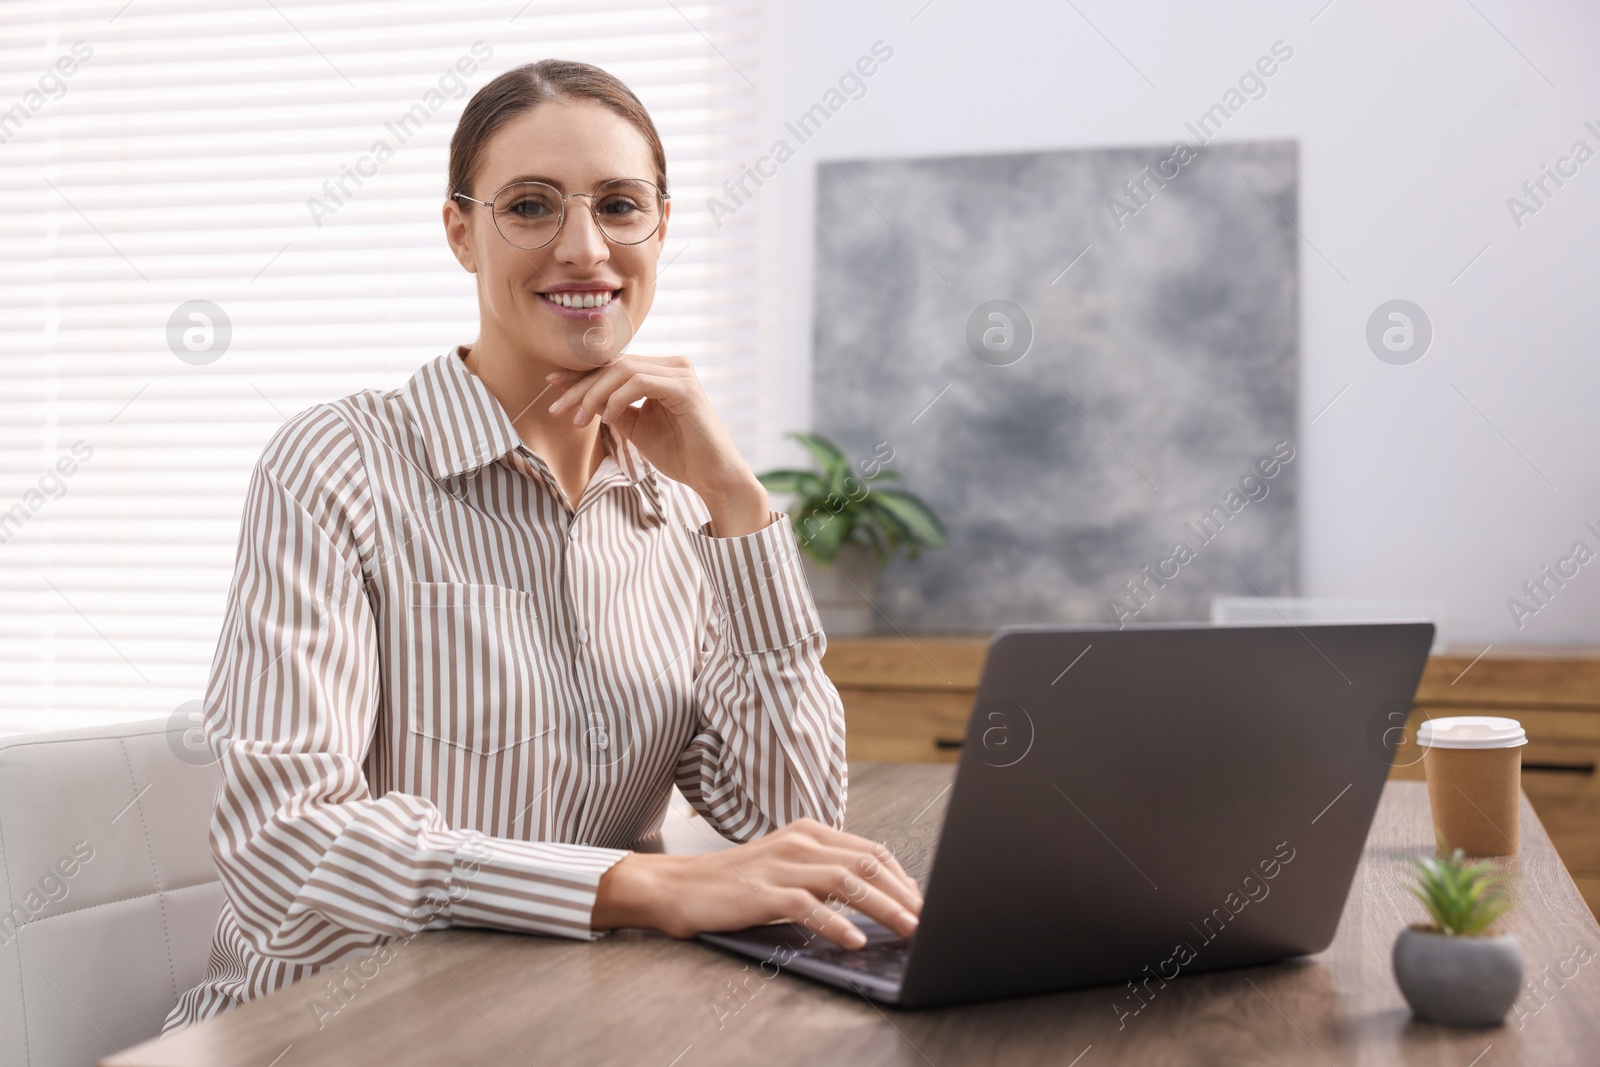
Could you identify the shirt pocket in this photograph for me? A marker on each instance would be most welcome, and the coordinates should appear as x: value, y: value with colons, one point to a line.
x: 472, y: 681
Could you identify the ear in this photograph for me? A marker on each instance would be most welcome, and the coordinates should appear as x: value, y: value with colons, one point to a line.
x: 661, y: 234
x: 458, y: 231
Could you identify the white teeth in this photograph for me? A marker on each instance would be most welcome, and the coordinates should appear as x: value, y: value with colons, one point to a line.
x: 579, y: 300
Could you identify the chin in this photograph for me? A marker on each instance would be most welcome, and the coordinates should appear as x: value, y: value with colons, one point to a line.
x: 584, y: 344
x: 558, y: 349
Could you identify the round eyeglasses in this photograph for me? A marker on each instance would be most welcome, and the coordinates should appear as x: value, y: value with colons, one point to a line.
x: 528, y: 215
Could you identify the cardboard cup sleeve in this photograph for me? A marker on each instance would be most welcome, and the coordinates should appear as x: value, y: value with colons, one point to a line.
x: 1474, y: 769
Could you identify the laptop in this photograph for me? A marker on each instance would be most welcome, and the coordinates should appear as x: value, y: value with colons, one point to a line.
x: 1135, y: 805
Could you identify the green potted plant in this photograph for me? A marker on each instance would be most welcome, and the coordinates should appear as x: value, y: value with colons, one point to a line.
x: 849, y: 525
x: 1458, y: 969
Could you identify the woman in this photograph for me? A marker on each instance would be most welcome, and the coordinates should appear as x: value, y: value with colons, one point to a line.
x: 483, y: 623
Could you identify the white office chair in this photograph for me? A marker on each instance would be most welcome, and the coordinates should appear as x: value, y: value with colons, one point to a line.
x: 110, y: 891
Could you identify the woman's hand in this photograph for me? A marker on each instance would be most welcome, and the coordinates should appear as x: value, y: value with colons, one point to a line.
x: 793, y: 873
x: 675, y: 428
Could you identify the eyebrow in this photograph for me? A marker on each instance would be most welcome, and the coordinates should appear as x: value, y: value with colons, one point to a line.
x: 535, y: 178
x: 557, y: 182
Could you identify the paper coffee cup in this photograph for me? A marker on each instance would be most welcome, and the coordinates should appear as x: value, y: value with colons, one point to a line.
x: 1474, y: 769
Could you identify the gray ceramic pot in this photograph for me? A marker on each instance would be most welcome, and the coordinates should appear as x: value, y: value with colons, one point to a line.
x: 1459, y: 981
x: 845, y: 592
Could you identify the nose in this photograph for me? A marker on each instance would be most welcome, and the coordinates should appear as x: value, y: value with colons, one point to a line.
x: 580, y: 241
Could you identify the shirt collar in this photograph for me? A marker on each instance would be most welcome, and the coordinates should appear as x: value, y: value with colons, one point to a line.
x: 464, y: 428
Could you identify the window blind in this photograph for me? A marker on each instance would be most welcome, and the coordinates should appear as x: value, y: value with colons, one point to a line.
x: 163, y: 160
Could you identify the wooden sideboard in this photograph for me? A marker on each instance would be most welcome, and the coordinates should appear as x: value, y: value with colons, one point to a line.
x: 907, y: 699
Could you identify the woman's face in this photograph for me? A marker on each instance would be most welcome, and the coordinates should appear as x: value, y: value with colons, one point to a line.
x: 573, y: 145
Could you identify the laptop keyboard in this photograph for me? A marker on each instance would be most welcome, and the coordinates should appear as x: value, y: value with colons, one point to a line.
x: 884, y: 959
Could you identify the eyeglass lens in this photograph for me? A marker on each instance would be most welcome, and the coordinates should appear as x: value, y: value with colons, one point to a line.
x: 528, y: 214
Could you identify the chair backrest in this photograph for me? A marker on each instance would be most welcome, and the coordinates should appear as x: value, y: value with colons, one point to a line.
x: 109, y: 890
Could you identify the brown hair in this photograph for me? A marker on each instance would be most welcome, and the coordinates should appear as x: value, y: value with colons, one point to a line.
x: 524, y: 88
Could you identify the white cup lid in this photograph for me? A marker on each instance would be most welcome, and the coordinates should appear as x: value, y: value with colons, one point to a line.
x: 1471, y: 731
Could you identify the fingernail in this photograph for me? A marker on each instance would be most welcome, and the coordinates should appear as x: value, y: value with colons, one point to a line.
x: 908, y: 923
x: 855, y: 938
x: 552, y: 374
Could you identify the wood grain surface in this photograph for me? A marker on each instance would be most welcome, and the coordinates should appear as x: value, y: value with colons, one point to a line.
x: 478, y: 997
x: 920, y: 662
x: 1534, y: 676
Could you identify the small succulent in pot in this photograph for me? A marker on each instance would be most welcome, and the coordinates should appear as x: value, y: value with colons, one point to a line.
x: 1458, y: 970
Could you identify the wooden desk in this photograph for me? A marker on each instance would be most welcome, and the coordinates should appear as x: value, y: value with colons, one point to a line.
x: 478, y: 997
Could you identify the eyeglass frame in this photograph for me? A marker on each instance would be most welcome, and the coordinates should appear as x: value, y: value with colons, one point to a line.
x: 661, y: 194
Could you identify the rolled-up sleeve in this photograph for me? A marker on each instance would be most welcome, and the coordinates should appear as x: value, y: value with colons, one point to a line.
x: 769, y: 745
x: 314, y: 865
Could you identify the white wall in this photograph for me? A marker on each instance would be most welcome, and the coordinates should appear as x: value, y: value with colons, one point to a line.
x: 1416, y: 122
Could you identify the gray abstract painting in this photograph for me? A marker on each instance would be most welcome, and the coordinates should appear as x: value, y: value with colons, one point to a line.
x: 1085, y: 361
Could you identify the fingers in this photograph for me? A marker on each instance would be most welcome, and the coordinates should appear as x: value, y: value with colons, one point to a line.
x: 876, y: 873
x: 885, y: 859
x: 874, y: 859
x: 574, y: 395
x: 799, y: 905
x: 862, y: 873
x: 837, y: 881
x: 673, y: 392
x: 625, y: 421
x: 585, y: 392
x: 790, y: 874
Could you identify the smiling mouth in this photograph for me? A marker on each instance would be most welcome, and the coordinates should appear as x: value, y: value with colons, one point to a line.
x: 575, y: 299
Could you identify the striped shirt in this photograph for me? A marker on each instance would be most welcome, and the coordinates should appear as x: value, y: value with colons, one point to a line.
x: 443, y: 696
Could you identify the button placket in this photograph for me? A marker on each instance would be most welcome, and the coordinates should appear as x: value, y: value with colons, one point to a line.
x: 570, y: 601
x: 576, y: 629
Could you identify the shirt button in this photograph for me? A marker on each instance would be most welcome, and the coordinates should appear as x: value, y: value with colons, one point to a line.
x: 582, y: 636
